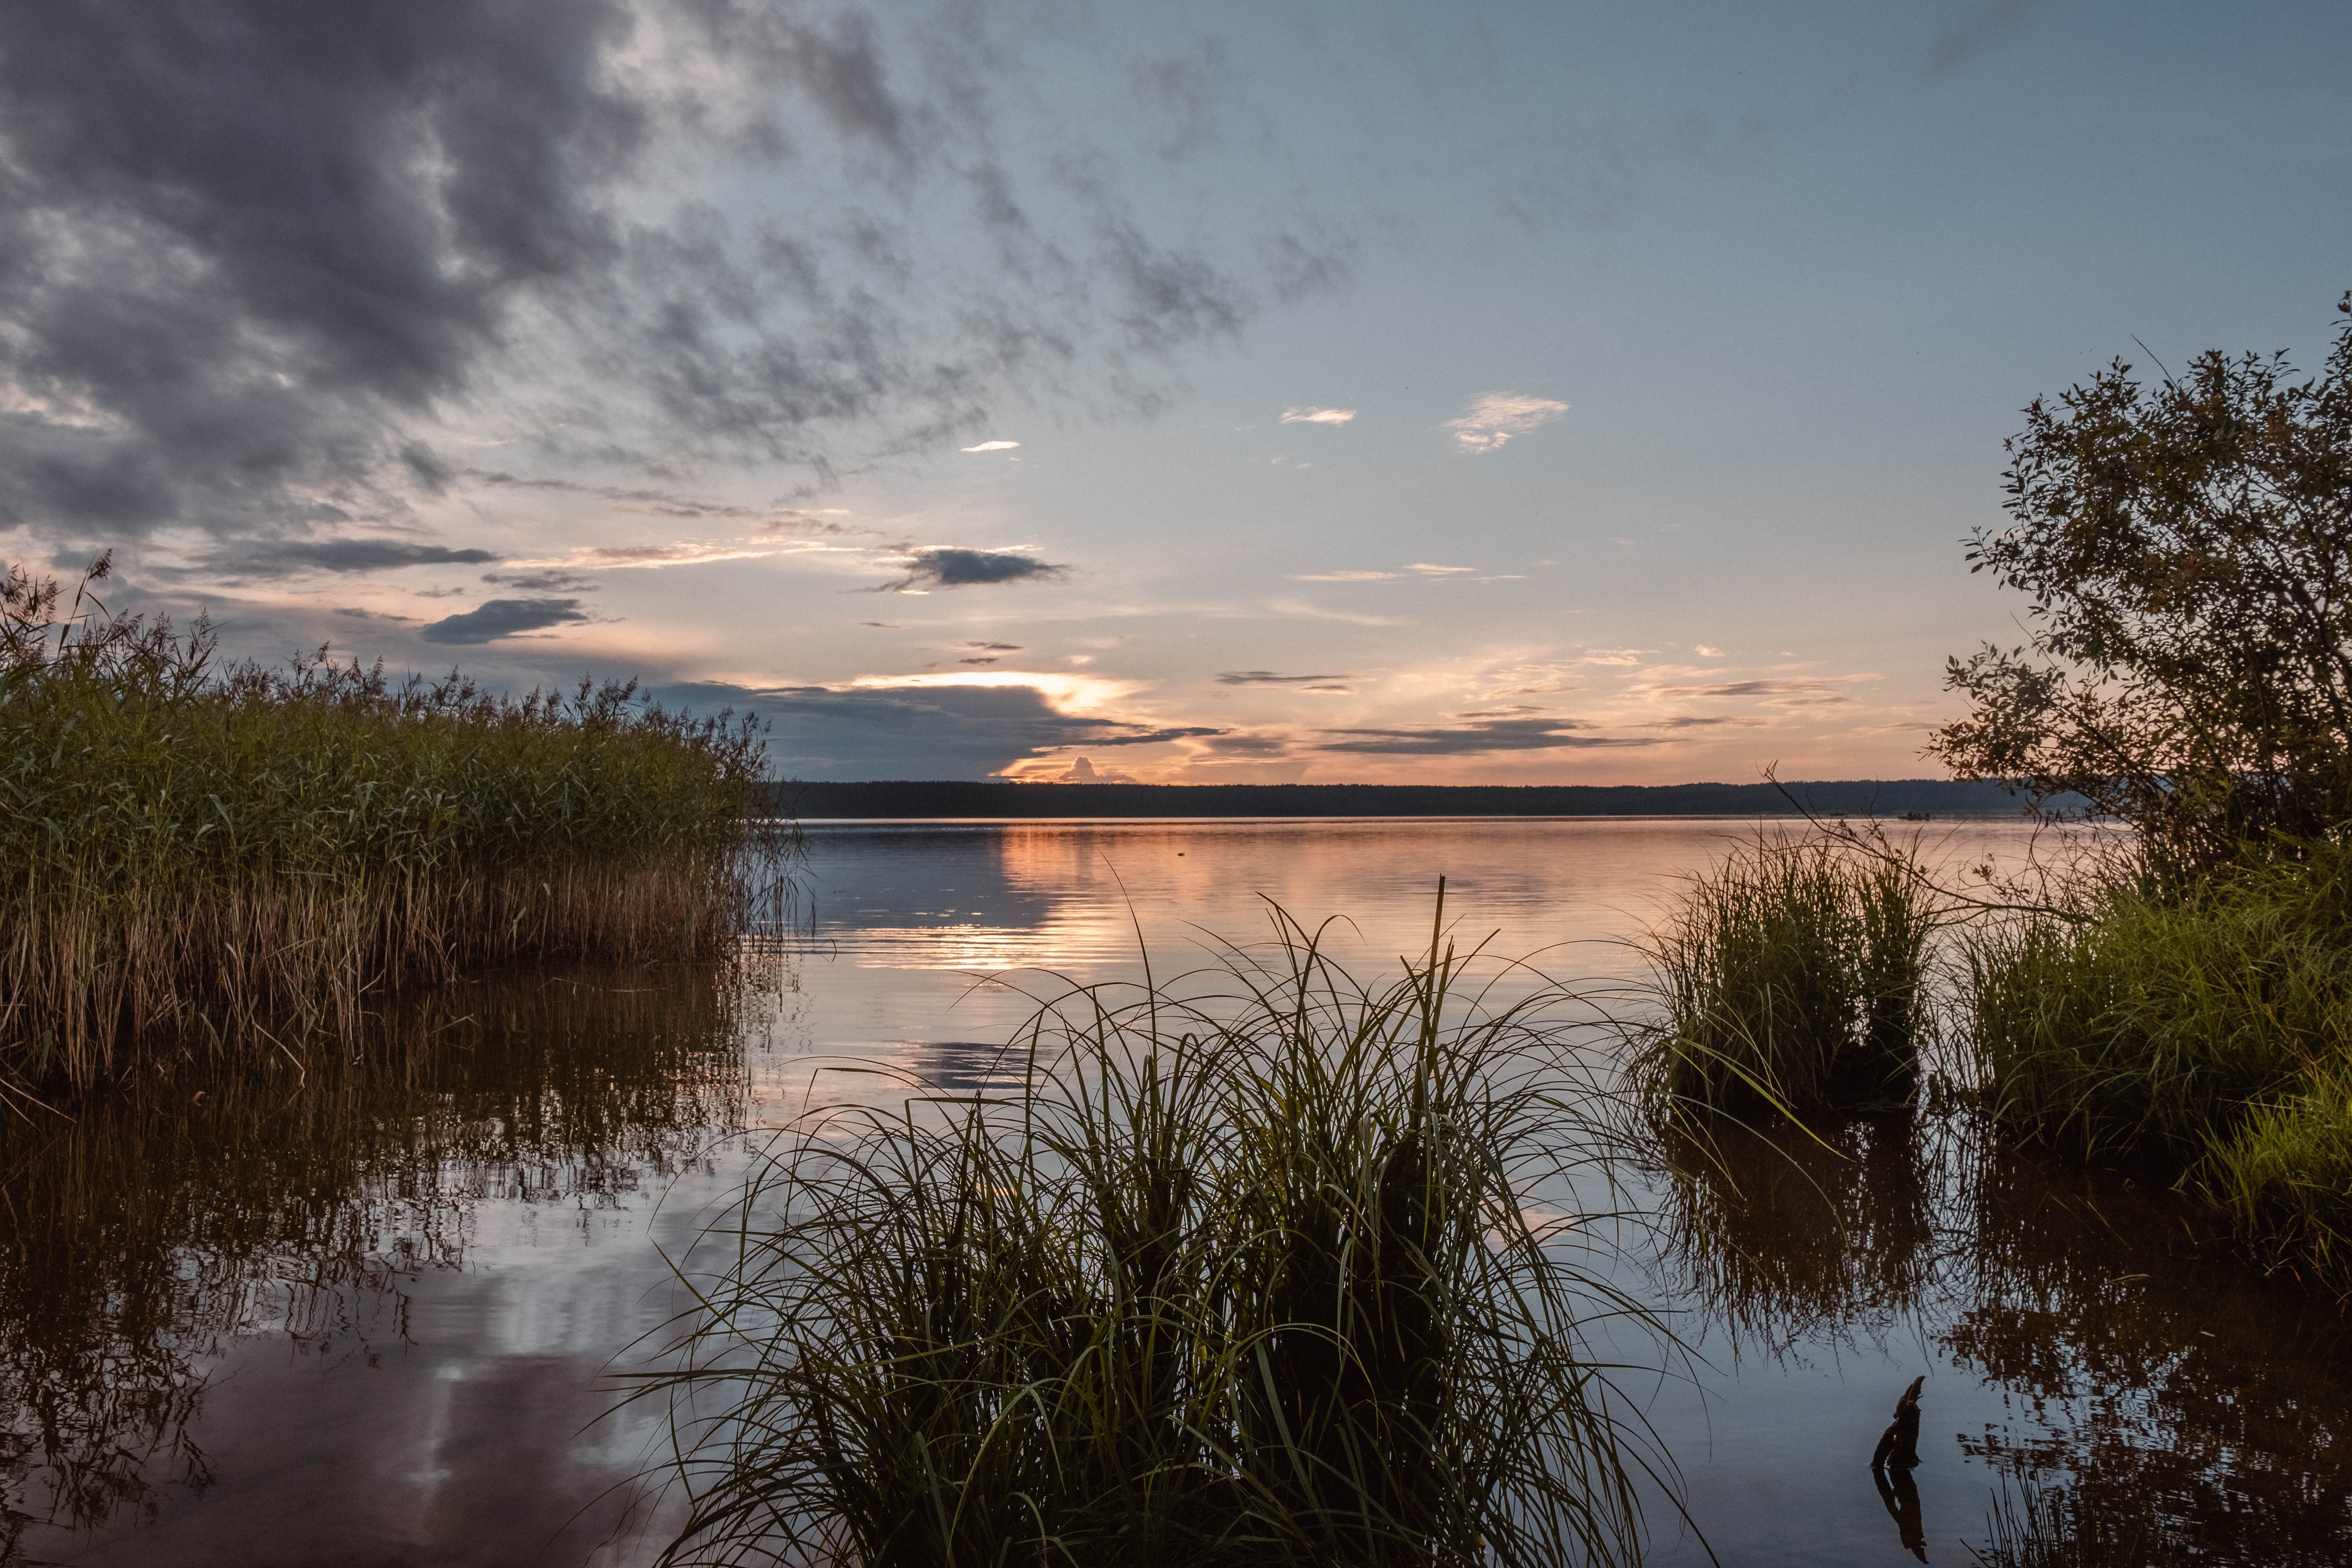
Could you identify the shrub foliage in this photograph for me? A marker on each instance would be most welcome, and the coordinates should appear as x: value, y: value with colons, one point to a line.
x: 2187, y: 551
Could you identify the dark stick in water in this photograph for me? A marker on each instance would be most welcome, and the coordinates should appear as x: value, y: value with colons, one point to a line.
x: 1899, y: 1444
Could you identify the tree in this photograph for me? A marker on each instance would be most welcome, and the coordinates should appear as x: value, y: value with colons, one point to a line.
x: 2188, y: 549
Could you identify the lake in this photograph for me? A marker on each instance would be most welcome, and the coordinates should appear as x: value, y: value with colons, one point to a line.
x: 369, y: 1310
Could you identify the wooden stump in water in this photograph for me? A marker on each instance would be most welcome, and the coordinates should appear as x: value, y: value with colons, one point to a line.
x: 1899, y: 1445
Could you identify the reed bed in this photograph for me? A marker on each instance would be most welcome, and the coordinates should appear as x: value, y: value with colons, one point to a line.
x: 1794, y: 976
x: 1251, y: 1277
x: 221, y: 858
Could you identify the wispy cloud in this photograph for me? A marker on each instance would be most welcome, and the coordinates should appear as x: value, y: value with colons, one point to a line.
x: 547, y: 582
x: 1470, y: 740
x: 779, y: 518
x: 1496, y: 418
x: 948, y: 566
x: 258, y: 558
x: 1345, y: 576
x: 1780, y: 693
x: 1303, y: 682
x: 993, y: 446
x: 683, y: 553
x: 1303, y: 415
x: 1431, y: 569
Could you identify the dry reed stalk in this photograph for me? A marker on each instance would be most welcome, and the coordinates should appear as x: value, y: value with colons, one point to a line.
x: 93, y: 986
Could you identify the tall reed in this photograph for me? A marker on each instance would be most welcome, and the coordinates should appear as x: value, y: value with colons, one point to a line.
x: 1252, y: 1279
x: 1792, y: 976
x: 217, y: 856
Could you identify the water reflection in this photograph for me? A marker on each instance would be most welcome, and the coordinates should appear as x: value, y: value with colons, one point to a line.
x: 2150, y: 1363
x: 1900, y: 1493
x: 143, y: 1238
x: 1067, y: 896
x: 197, y: 1285
x: 1797, y: 1234
x: 2126, y: 1354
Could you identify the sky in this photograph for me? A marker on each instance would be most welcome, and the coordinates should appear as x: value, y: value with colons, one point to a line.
x: 1209, y: 393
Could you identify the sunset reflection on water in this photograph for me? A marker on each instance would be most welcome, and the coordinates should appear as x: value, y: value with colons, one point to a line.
x: 336, y: 1318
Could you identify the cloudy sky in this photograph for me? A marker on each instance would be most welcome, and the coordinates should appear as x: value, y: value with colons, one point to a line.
x: 1253, y: 392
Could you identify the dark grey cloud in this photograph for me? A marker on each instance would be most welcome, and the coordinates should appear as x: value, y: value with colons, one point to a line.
x: 1249, y: 745
x: 546, y: 580
x: 1268, y: 677
x: 241, y: 245
x: 263, y: 265
x: 922, y: 732
x: 496, y: 618
x: 265, y: 558
x: 995, y: 646
x: 1469, y: 740
x: 946, y: 566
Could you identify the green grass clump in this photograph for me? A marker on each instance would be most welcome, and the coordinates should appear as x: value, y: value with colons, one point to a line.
x: 1794, y: 976
x: 2199, y: 1034
x: 1249, y: 1281
x: 228, y: 857
x: 2284, y: 1177
x: 2144, y: 1035
x: 2135, y: 1038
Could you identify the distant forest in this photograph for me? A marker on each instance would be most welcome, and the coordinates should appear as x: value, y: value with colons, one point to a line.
x: 986, y: 798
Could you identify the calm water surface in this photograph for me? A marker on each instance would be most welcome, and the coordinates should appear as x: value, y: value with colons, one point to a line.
x: 368, y: 1313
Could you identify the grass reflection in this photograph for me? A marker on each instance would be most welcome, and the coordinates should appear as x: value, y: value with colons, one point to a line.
x: 2148, y: 1379
x: 2168, y: 1385
x: 148, y: 1232
x: 1792, y: 1233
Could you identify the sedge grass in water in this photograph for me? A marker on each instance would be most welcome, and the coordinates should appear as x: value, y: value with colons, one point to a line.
x: 2200, y: 1034
x: 1249, y: 1280
x: 225, y: 858
x: 1792, y: 976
